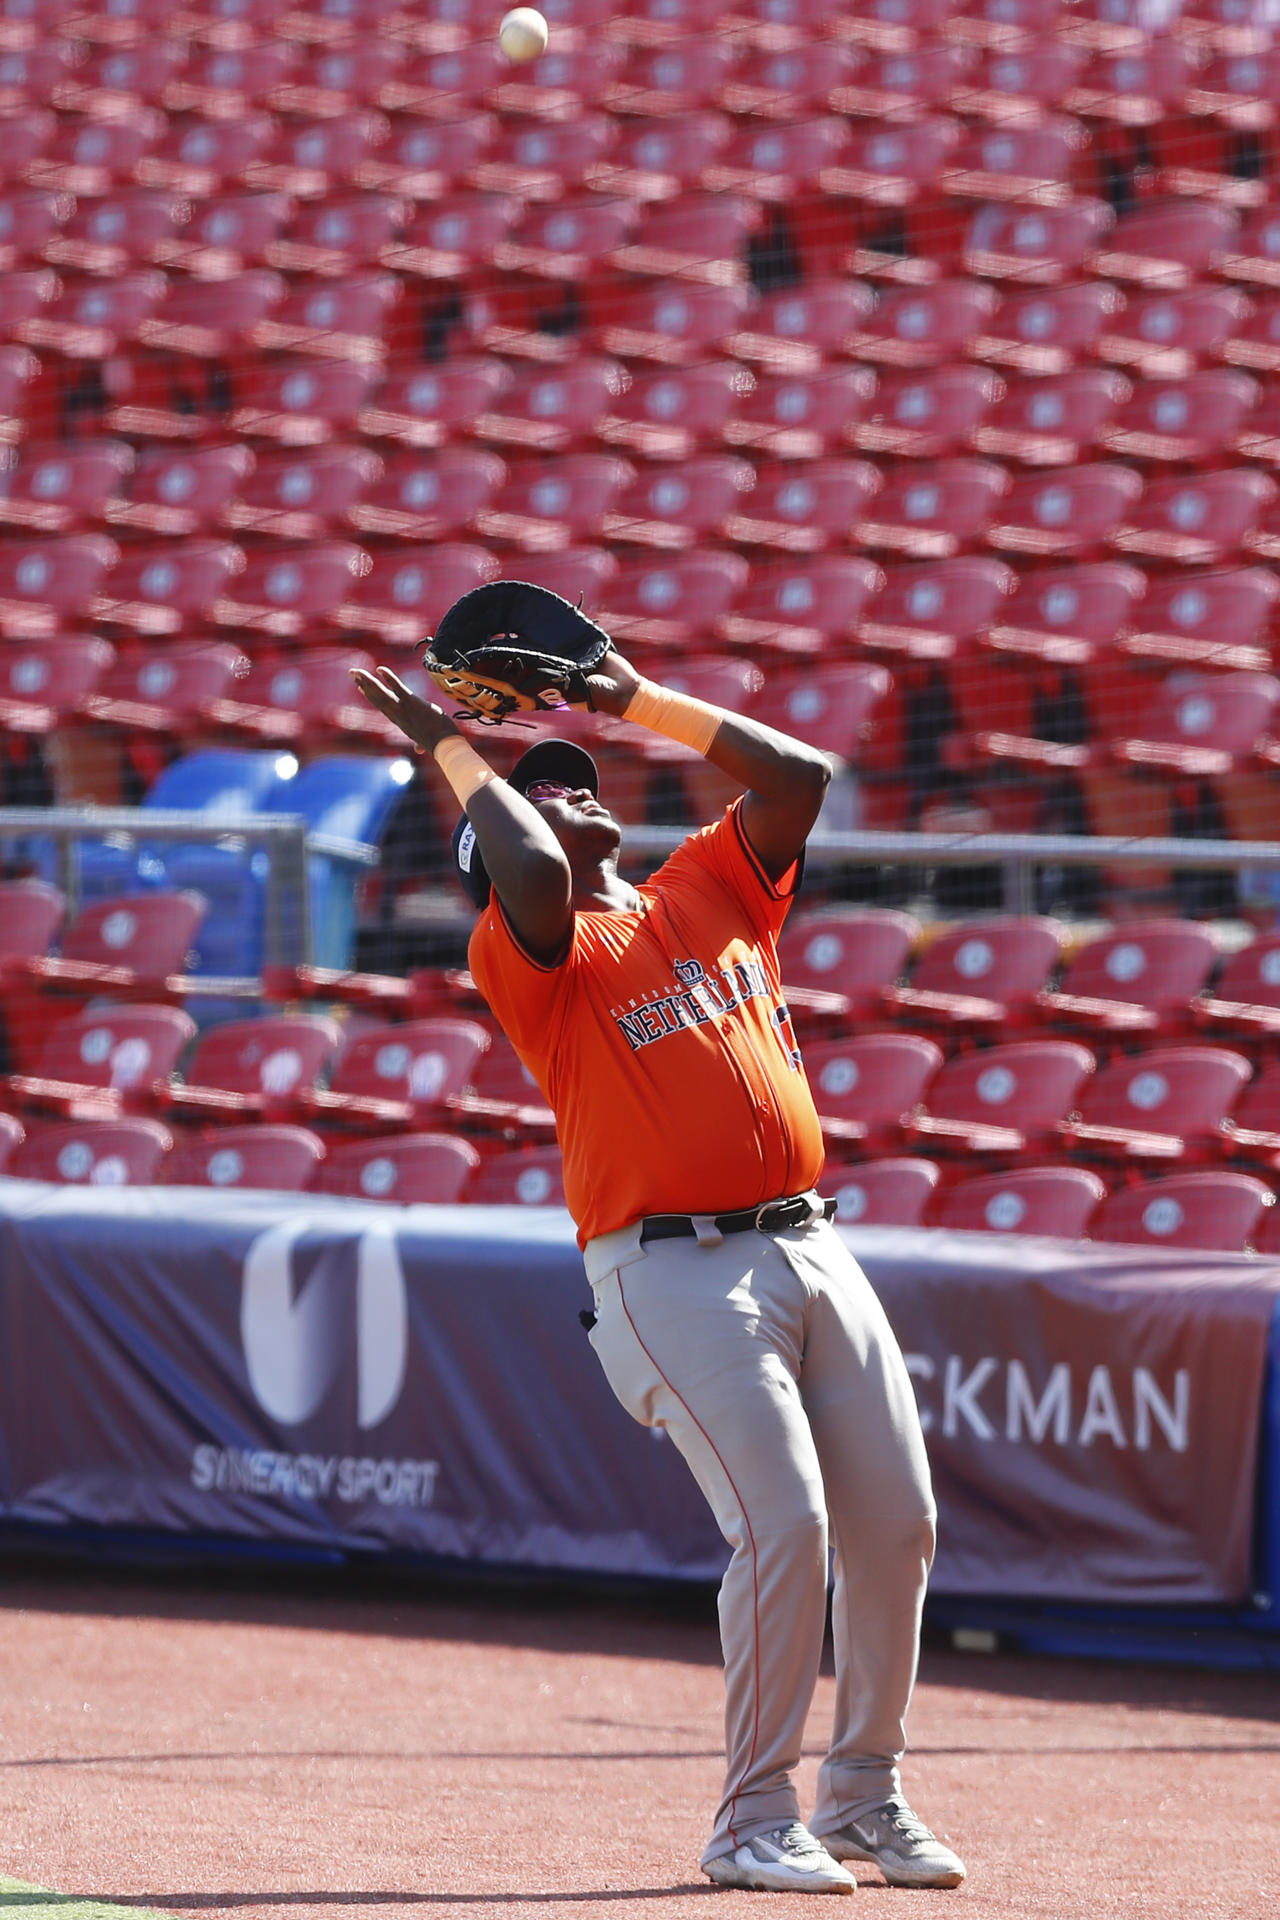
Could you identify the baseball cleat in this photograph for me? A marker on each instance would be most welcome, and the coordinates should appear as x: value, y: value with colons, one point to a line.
x: 904, y: 1849
x: 786, y: 1860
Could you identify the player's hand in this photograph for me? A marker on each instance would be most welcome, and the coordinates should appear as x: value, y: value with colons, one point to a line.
x: 612, y: 684
x: 420, y: 720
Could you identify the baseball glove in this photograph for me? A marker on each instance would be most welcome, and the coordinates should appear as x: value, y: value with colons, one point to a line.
x: 514, y: 648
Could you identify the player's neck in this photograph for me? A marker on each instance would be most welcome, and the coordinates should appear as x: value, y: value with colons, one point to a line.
x: 601, y: 890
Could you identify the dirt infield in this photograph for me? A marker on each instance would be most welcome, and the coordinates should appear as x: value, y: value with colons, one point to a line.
x: 313, y: 1749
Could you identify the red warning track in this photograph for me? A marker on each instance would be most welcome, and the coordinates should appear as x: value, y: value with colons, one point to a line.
x: 199, y: 1747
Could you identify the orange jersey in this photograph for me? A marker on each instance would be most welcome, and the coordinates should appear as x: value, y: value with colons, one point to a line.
x: 662, y: 1042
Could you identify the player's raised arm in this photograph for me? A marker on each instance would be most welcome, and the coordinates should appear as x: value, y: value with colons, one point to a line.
x: 522, y: 856
x: 785, y: 780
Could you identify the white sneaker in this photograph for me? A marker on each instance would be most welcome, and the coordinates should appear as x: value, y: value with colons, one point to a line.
x: 787, y: 1860
x: 906, y: 1852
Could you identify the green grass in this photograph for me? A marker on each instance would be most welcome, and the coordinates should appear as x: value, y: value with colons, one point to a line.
x: 38, y: 1903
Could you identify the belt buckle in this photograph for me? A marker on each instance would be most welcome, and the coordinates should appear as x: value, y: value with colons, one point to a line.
x: 781, y: 1216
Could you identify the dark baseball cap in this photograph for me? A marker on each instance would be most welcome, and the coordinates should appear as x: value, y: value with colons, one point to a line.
x: 545, y: 760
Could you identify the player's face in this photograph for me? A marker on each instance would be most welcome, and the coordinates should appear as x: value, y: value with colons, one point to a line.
x: 575, y: 816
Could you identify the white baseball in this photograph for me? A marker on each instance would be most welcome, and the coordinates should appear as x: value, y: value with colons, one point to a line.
x: 523, y: 34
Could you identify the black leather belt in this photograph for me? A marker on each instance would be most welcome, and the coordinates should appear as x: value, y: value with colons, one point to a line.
x: 773, y: 1217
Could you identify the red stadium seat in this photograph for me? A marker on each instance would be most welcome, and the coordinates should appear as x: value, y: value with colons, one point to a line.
x: 305, y: 697
x: 348, y: 321
x: 900, y: 85
x: 535, y: 159
x: 667, y: 413
x: 1136, y: 85
x: 1076, y: 511
x: 91, y: 157
x: 127, y: 1152
x: 53, y: 487
x: 803, y: 606
x: 699, y: 236
x: 675, y: 506
x: 1001, y: 1101
x: 868, y: 1087
x: 777, y: 161
x: 89, y: 319
x: 1169, y: 334
x: 836, y: 963
x: 1046, y: 330
x: 981, y: 974
x: 399, y: 1073
x: 797, y: 330
x: 572, y: 239
x: 830, y: 707
x: 336, y: 79
x: 803, y: 508
x: 202, y: 157
x: 12, y: 1134
x: 929, y: 610
x: 302, y: 403
x: 1039, y: 246
x: 243, y: 1067
x: 1039, y: 163
x: 444, y: 240
x: 31, y: 912
x: 1058, y: 421
x: 672, y: 80
x: 429, y: 495
x: 658, y: 159
x: 505, y: 1099
x: 561, y: 85
x: 212, y: 319
x: 786, y: 82
x: 932, y: 513
x: 444, y: 83
x: 659, y: 23
x: 926, y: 415
x: 119, y: 83
x: 549, y: 503
x: 797, y: 416
x: 290, y: 589
x: 406, y: 591
x: 409, y: 1169
x: 18, y: 371
x: 310, y: 159
x: 893, y: 29
x: 277, y: 1159
x: 891, y: 165
x: 1140, y: 978
x: 181, y: 492
x: 554, y: 410
x: 1195, y: 724
x: 1245, y: 1004
x: 170, y: 687
x: 47, y: 583
x: 881, y: 1193
x: 925, y: 327
x: 339, y: 236
x: 1068, y: 615
x: 528, y: 1177
x: 116, y: 233
x: 1214, y: 1210
x: 1166, y: 1105
x: 1201, y: 520
x: 1167, y: 245
x: 432, y: 405
x: 580, y: 574
x: 675, y: 600
x: 220, y: 83
x: 160, y: 587
x: 1255, y: 256
x: 131, y: 946
x: 228, y: 233
x: 105, y: 1060
x: 674, y: 324
x: 301, y: 496
x: 28, y: 75
x: 1059, y: 1201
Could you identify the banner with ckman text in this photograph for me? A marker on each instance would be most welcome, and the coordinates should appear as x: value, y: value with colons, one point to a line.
x: 415, y: 1381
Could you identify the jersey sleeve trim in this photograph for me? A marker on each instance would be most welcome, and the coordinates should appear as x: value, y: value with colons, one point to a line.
x: 776, y: 889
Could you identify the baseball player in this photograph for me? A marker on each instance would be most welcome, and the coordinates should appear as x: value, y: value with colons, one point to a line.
x: 728, y: 1310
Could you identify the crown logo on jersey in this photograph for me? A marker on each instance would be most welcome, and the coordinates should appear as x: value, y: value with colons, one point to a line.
x: 690, y: 973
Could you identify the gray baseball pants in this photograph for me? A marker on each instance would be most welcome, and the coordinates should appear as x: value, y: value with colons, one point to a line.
x: 769, y: 1361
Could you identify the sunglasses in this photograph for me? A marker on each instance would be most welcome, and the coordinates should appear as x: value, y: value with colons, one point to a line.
x: 546, y: 790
